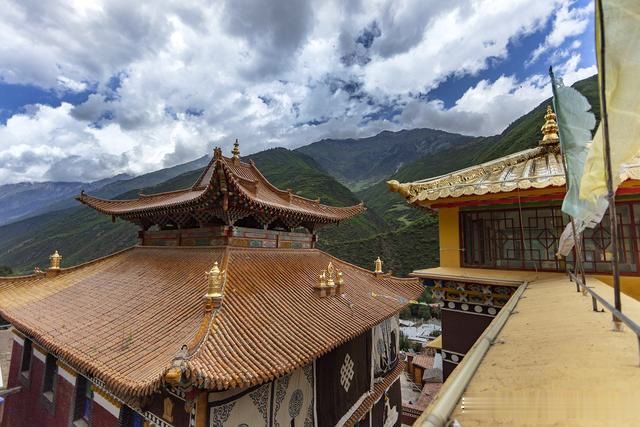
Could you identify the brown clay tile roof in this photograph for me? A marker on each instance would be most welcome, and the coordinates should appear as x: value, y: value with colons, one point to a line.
x: 221, y: 175
x: 122, y: 319
x: 378, y: 391
x: 423, y: 360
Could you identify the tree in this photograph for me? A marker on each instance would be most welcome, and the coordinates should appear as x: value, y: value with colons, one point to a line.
x: 5, y: 271
x: 405, y: 344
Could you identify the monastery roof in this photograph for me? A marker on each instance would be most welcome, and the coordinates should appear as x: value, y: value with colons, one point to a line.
x: 224, y: 177
x: 123, y: 318
x: 535, y: 168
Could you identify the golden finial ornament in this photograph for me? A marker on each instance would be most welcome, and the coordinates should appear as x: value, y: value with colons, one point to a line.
x: 322, y: 279
x: 54, y: 261
x: 236, y: 150
x: 339, y: 279
x: 215, y: 277
x: 550, y: 128
x: 378, y: 264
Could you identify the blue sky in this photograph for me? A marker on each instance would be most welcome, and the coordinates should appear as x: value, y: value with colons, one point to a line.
x: 89, y: 89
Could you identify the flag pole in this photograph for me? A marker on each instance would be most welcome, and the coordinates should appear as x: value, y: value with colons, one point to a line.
x: 576, y: 239
x: 611, y: 195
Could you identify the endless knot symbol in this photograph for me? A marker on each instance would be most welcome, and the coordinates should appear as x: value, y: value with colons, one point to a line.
x: 346, y: 373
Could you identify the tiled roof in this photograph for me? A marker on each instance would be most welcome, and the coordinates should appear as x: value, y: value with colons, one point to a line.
x: 423, y: 360
x: 122, y: 319
x: 224, y: 175
x: 539, y: 167
x: 374, y: 396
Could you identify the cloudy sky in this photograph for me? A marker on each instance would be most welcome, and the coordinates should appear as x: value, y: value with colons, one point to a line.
x: 88, y: 90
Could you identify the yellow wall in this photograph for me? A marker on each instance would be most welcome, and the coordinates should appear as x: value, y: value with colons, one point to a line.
x: 449, y: 234
x: 629, y: 285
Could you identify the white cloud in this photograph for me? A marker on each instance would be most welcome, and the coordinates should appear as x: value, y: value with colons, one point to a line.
x: 194, y: 75
x: 568, y: 22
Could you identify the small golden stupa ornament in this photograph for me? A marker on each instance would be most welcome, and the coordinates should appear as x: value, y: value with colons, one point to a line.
x: 215, y: 277
x: 339, y: 279
x: 236, y: 150
x: 550, y: 128
x: 322, y: 279
x: 54, y: 261
x: 378, y: 264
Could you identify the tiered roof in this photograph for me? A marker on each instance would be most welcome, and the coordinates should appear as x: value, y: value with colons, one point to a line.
x: 228, y: 190
x: 124, y: 318
x: 535, y: 168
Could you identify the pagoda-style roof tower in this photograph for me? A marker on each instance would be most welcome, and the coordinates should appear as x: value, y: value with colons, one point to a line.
x: 229, y: 192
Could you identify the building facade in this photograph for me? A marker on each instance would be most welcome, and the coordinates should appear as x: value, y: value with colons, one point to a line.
x: 224, y: 314
x: 505, y: 215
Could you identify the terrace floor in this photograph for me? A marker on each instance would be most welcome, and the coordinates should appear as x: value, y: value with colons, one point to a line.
x: 555, y: 362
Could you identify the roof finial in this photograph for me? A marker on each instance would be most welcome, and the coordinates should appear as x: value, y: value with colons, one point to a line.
x: 550, y: 128
x: 55, y: 261
x: 236, y: 150
x: 217, y: 153
x: 378, y: 265
x: 215, y: 281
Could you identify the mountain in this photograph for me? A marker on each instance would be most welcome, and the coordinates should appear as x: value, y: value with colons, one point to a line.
x: 359, y: 163
x: 404, y: 237
x: 523, y: 133
x: 81, y: 234
x: 27, y: 199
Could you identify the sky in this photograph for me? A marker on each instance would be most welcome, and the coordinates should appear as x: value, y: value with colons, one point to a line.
x: 90, y: 89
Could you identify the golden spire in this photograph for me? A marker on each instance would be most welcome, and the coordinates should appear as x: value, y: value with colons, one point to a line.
x: 236, y: 150
x: 54, y: 261
x: 550, y: 128
x: 378, y: 264
x: 215, y: 277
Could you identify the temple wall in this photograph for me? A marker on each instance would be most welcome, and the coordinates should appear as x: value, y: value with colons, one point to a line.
x: 222, y: 235
x: 449, y: 234
x: 29, y: 407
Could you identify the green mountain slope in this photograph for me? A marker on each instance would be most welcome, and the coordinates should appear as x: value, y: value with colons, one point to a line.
x: 358, y: 163
x: 81, y: 234
x: 402, y: 251
x: 521, y: 134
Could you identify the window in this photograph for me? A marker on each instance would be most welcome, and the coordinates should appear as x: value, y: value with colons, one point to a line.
x: 83, y: 401
x: 130, y: 418
x: 527, y: 239
x: 50, y: 377
x: 25, y: 364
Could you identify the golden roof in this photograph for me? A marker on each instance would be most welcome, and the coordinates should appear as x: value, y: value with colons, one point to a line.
x: 436, y: 343
x: 535, y: 168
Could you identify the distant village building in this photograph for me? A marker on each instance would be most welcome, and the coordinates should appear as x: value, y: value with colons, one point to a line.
x: 224, y: 314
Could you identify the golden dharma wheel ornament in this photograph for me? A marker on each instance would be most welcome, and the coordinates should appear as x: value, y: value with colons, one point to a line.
x: 54, y: 261
x: 330, y: 275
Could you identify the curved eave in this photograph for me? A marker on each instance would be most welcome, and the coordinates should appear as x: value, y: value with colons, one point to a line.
x: 315, y: 212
